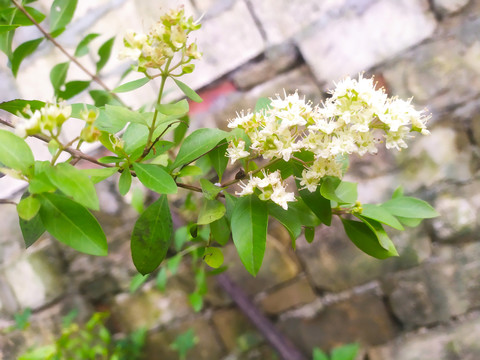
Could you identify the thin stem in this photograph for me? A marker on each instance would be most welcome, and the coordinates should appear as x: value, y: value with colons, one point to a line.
x: 71, y: 151
x: 62, y: 49
x: 147, y: 150
x: 5, y: 201
x: 198, y: 157
x: 159, y: 99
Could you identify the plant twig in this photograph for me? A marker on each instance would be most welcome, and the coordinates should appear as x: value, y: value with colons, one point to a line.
x: 6, y: 201
x: 277, y: 340
x: 50, y: 38
x: 74, y: 152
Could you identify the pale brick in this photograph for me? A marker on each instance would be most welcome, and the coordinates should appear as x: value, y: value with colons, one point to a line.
x: 351, y: 43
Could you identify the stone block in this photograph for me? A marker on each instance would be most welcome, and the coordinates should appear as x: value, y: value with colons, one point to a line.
x: 226, y: 41
x: 275, y: 60
x: 352, y: 43
x: 335, y: 264
x: 361, y: 318
x: 458, y: 209
x: 11, y: 240
x: 279, y: 265
x: 449, y: 7
x: 458, y: 340
x: 442, y: 73
x: 443, y: 288
x: 231, y: 326
x: 226, y: 105
x: 35, y: 279
x: 150, y: 308
x: 283, y: 19
x: 438, y: 157
x: 207, y: 346
x: 291, y: 295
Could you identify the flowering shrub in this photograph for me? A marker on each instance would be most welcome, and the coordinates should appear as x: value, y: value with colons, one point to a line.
x: 285, y: 137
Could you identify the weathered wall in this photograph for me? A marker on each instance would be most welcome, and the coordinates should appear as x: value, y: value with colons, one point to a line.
x: 422, y: 305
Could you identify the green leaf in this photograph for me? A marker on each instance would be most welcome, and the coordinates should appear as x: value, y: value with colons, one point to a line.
x: 132, y: 85
x: 152, y: 236
x: 183, y: 343
x: 365, y: 239
x: 31, y: 229
x: 320, y: 206
x: 161, y: 279
x: 347, y: 191
x: 73, y: 182
x: 309, y: 234
x: 319, y: 354
x: 398, y: 192
x: 104, y: 52
x: 155, y: 178
x: 18, y: 106
x: 410, y: 222
x: 220, y: 231
x: 210, y: 211
x: 102, y: 97
x: 124, y: 115
x: 288, y: 218
x: 125, y: 182
x: 410, y: 207
x: 22, y: 51
x: 177, y: 109
x: 138, y: 199
x: 137, y: 281
x: 73, y: 88
x: 97, y: 175
x: 110, y: 159
x: 230, y: 203
x: 72, y: 224
x: 21, y: 19
x: 15, y: 153
x: 181, y: 130
x: 78, y: 108
x: 41, y: 181
x: 196, y: 300
x: 209, y: 190
x: 263, y: 103
x: 219, y: 160
x: 376, y: 212
x: 249, y: 231
x: 197, y: 144
x: 41, y: 353
x: 61, y: 13
x: 110, y: 124
x: 381, y: 234
x: 190, y: 170
x: 82, y: 47
x: 342, y: 192
x: 345, y: 352
x: 174, y: 263
x: 192, y: 95
x: 28, y: 207
x: 213, y: 257
x: 6, y: 28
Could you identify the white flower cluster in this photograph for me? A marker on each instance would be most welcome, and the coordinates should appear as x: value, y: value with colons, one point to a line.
x: 354, y: 119
x: 271, y: 186
x: 45, y: 120
x: 165, y: 38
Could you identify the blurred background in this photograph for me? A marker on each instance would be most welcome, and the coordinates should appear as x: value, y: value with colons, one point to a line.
x: 422, y: 305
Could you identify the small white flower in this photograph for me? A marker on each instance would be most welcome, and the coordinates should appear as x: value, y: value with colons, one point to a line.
x: 235, y: 152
